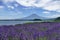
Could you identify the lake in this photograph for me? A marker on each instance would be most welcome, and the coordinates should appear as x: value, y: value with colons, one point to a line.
x: 14, y: 22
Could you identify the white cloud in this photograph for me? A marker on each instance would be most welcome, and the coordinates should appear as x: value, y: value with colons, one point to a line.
x: 1, y: 7
x: 46, y: 4
x: 10, y: 7
x: 57, y: 15
x: 52, y: 5
x: 36, y: 3
x: 26, y: 2
x: 46, y: 12
x: 53, y: 16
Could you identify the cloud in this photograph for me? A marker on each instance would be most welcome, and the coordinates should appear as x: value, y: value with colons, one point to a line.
x: 52, y: 5
x: 53, y: 16
x: 57, y: 15
x: 46, y: 12
x: 45, y: 4
x: 1, y: 7
x: 10, y: 7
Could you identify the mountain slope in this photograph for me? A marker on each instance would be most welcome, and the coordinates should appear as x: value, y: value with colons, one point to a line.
x: 33, y: 16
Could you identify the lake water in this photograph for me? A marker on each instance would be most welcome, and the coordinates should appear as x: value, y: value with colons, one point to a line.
x: 14, y: 22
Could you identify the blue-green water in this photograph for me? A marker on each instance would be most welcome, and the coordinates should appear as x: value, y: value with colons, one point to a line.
x: 14, y: 22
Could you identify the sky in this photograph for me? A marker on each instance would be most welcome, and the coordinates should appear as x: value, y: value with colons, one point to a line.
x: 14, y: 9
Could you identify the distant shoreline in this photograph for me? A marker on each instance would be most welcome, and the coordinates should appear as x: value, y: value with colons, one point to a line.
x: 24, y: 20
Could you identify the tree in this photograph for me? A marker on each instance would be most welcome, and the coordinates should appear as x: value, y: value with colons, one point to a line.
x: 37, y: 20
x: 57, y: 19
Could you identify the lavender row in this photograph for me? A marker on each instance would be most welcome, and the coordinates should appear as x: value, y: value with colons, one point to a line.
x: 31, y: 31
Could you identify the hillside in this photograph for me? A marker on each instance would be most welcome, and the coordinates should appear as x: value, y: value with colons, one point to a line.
x: 57, y: 19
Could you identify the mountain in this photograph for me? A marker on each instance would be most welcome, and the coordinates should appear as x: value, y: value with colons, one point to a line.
x: 33, y: 16
x: 57, y: 19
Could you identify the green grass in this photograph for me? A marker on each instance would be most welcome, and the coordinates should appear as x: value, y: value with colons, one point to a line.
x: 42, y: 38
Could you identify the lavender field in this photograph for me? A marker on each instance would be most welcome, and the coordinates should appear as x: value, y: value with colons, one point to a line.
x: 31, y: 31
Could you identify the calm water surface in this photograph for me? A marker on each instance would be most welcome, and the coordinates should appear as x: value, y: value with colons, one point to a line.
x: 14, y: 22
